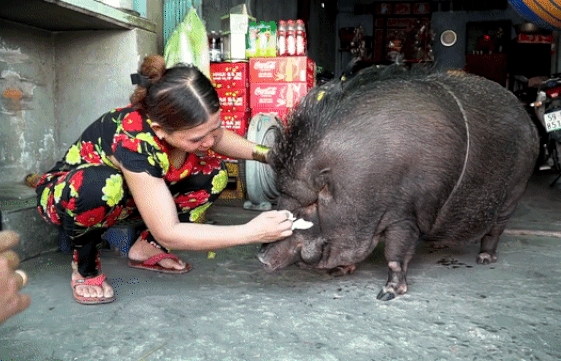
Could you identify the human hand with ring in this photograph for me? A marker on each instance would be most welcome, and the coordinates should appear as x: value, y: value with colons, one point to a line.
x: 12, y: 280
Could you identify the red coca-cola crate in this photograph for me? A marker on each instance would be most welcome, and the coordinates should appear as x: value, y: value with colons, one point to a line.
x: 229, y: 75
x: 276, y: 95
x: 236, y: 122
x: 282, y: 69
x: 233, y: 100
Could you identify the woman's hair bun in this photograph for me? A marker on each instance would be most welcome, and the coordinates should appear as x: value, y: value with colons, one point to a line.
x: 153, y: 67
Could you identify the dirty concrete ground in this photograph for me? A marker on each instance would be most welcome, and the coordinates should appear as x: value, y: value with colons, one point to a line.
x: 228, y: 308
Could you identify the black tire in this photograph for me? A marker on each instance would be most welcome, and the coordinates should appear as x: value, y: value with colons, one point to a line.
x: 554, y: 137
x: 554, y: 153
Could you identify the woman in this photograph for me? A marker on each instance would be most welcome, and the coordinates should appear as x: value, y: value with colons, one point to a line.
x: 149, y: 158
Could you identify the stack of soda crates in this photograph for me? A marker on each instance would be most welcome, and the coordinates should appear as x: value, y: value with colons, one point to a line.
x: 277, y: 84
x: 231, y: 82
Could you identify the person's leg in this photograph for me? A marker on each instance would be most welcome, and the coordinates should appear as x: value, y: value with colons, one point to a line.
x: 83, y: 203
x: 192, y: 195
x: 87, y: 279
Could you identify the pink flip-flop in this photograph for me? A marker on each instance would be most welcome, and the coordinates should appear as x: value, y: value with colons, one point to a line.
x: 151, y: 264
x: 94, y: 281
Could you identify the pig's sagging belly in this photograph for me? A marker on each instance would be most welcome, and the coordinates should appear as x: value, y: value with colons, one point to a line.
x: 467, y: 215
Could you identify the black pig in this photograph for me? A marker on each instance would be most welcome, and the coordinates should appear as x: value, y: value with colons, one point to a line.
x: 399, y: 156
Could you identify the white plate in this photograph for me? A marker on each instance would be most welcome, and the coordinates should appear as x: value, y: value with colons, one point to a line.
x: 552, y: 121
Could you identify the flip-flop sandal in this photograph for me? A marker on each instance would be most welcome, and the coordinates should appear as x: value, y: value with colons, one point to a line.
x: 94, y: 281
x: 151, y: 264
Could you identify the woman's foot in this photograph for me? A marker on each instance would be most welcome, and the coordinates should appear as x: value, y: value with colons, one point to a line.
x: 91, y: 290
x: 141, y: 251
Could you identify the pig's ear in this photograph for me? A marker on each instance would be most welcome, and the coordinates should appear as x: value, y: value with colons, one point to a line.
x: 322, y: 179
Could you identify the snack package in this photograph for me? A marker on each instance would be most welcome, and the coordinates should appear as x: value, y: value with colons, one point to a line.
x: 261, y: 39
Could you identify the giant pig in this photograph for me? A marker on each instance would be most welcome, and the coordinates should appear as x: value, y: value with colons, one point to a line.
x: 399, y: 157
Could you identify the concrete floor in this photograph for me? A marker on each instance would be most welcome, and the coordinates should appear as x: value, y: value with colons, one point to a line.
x: 228, y: 308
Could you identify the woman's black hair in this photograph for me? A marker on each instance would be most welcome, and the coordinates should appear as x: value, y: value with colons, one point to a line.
x: 177, y: 98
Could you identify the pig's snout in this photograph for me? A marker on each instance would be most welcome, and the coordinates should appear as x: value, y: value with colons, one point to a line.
x: 261, y: 256
x: 275, y: 256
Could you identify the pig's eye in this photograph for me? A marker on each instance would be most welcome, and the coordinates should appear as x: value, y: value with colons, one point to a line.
x: 308, y: 212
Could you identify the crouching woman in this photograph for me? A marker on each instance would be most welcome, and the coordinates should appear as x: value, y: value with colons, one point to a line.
x: 150, y: 158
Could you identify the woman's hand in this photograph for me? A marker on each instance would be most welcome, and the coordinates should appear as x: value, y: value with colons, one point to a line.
x: 271, y: 226
x: 11, y: 281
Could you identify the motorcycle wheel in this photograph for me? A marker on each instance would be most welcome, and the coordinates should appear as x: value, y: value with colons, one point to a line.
x: 554, y: 145
x: 555, y: 151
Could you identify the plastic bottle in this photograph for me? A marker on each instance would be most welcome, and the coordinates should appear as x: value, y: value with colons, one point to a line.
x: 251, y: 47
x: 214, y: 47
x: 290, y: 38
x: 301, y: 41
x: 221, y: 45
x: 281, y: 38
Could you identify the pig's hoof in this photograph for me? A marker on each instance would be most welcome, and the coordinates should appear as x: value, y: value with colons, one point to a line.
x: 391, y: 291
x: 486, y: 258
x: 385, y: 296
x: 342, y: 270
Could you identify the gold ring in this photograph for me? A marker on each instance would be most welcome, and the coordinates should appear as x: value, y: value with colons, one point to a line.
x: 22, y: 277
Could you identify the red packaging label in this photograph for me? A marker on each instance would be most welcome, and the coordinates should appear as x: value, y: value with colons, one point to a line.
x: 534, y: 39
x: 276, y: 95
x: 281, y: 69
x: 233, y: 100
x: 236, y: 122
x: 229, y: 75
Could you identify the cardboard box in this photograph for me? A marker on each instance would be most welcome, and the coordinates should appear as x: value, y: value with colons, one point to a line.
x: 276, y: 95
x: 235, y: 23
x: 233, y: 169
x: 235, y: 189
x: 282, y: 69
x: 234, y: 46
x: 261, y: 39
x: 233, y: 100
x: 229, y: 75
x: 236, y: 122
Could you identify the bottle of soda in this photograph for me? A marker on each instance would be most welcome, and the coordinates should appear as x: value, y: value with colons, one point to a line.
x: 301, y: 41
x: 214, y: 47
x: 290, y: 38
x: 220, y: 40
x: 281, y: 38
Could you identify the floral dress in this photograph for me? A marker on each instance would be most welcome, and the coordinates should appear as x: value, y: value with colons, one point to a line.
x: 85, y: 191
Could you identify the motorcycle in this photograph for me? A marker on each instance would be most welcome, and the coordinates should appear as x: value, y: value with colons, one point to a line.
x: 526, y: 91
x: 547, y: 107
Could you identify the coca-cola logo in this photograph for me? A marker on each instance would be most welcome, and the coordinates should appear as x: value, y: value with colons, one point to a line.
x: 264, y: 65
x: 266, y: 91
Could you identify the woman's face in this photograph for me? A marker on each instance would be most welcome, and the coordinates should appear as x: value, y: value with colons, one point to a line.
x: 195, y: 140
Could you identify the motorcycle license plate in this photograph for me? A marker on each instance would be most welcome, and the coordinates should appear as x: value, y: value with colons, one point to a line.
x: 552, y: 121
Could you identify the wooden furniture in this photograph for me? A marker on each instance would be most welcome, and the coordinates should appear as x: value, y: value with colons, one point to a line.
x: 397, y: 22
x: 491, y: 66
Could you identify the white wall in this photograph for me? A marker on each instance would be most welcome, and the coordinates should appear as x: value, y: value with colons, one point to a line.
x: 93, y: 75
x: 54, y: 84
x: 27, y: 115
